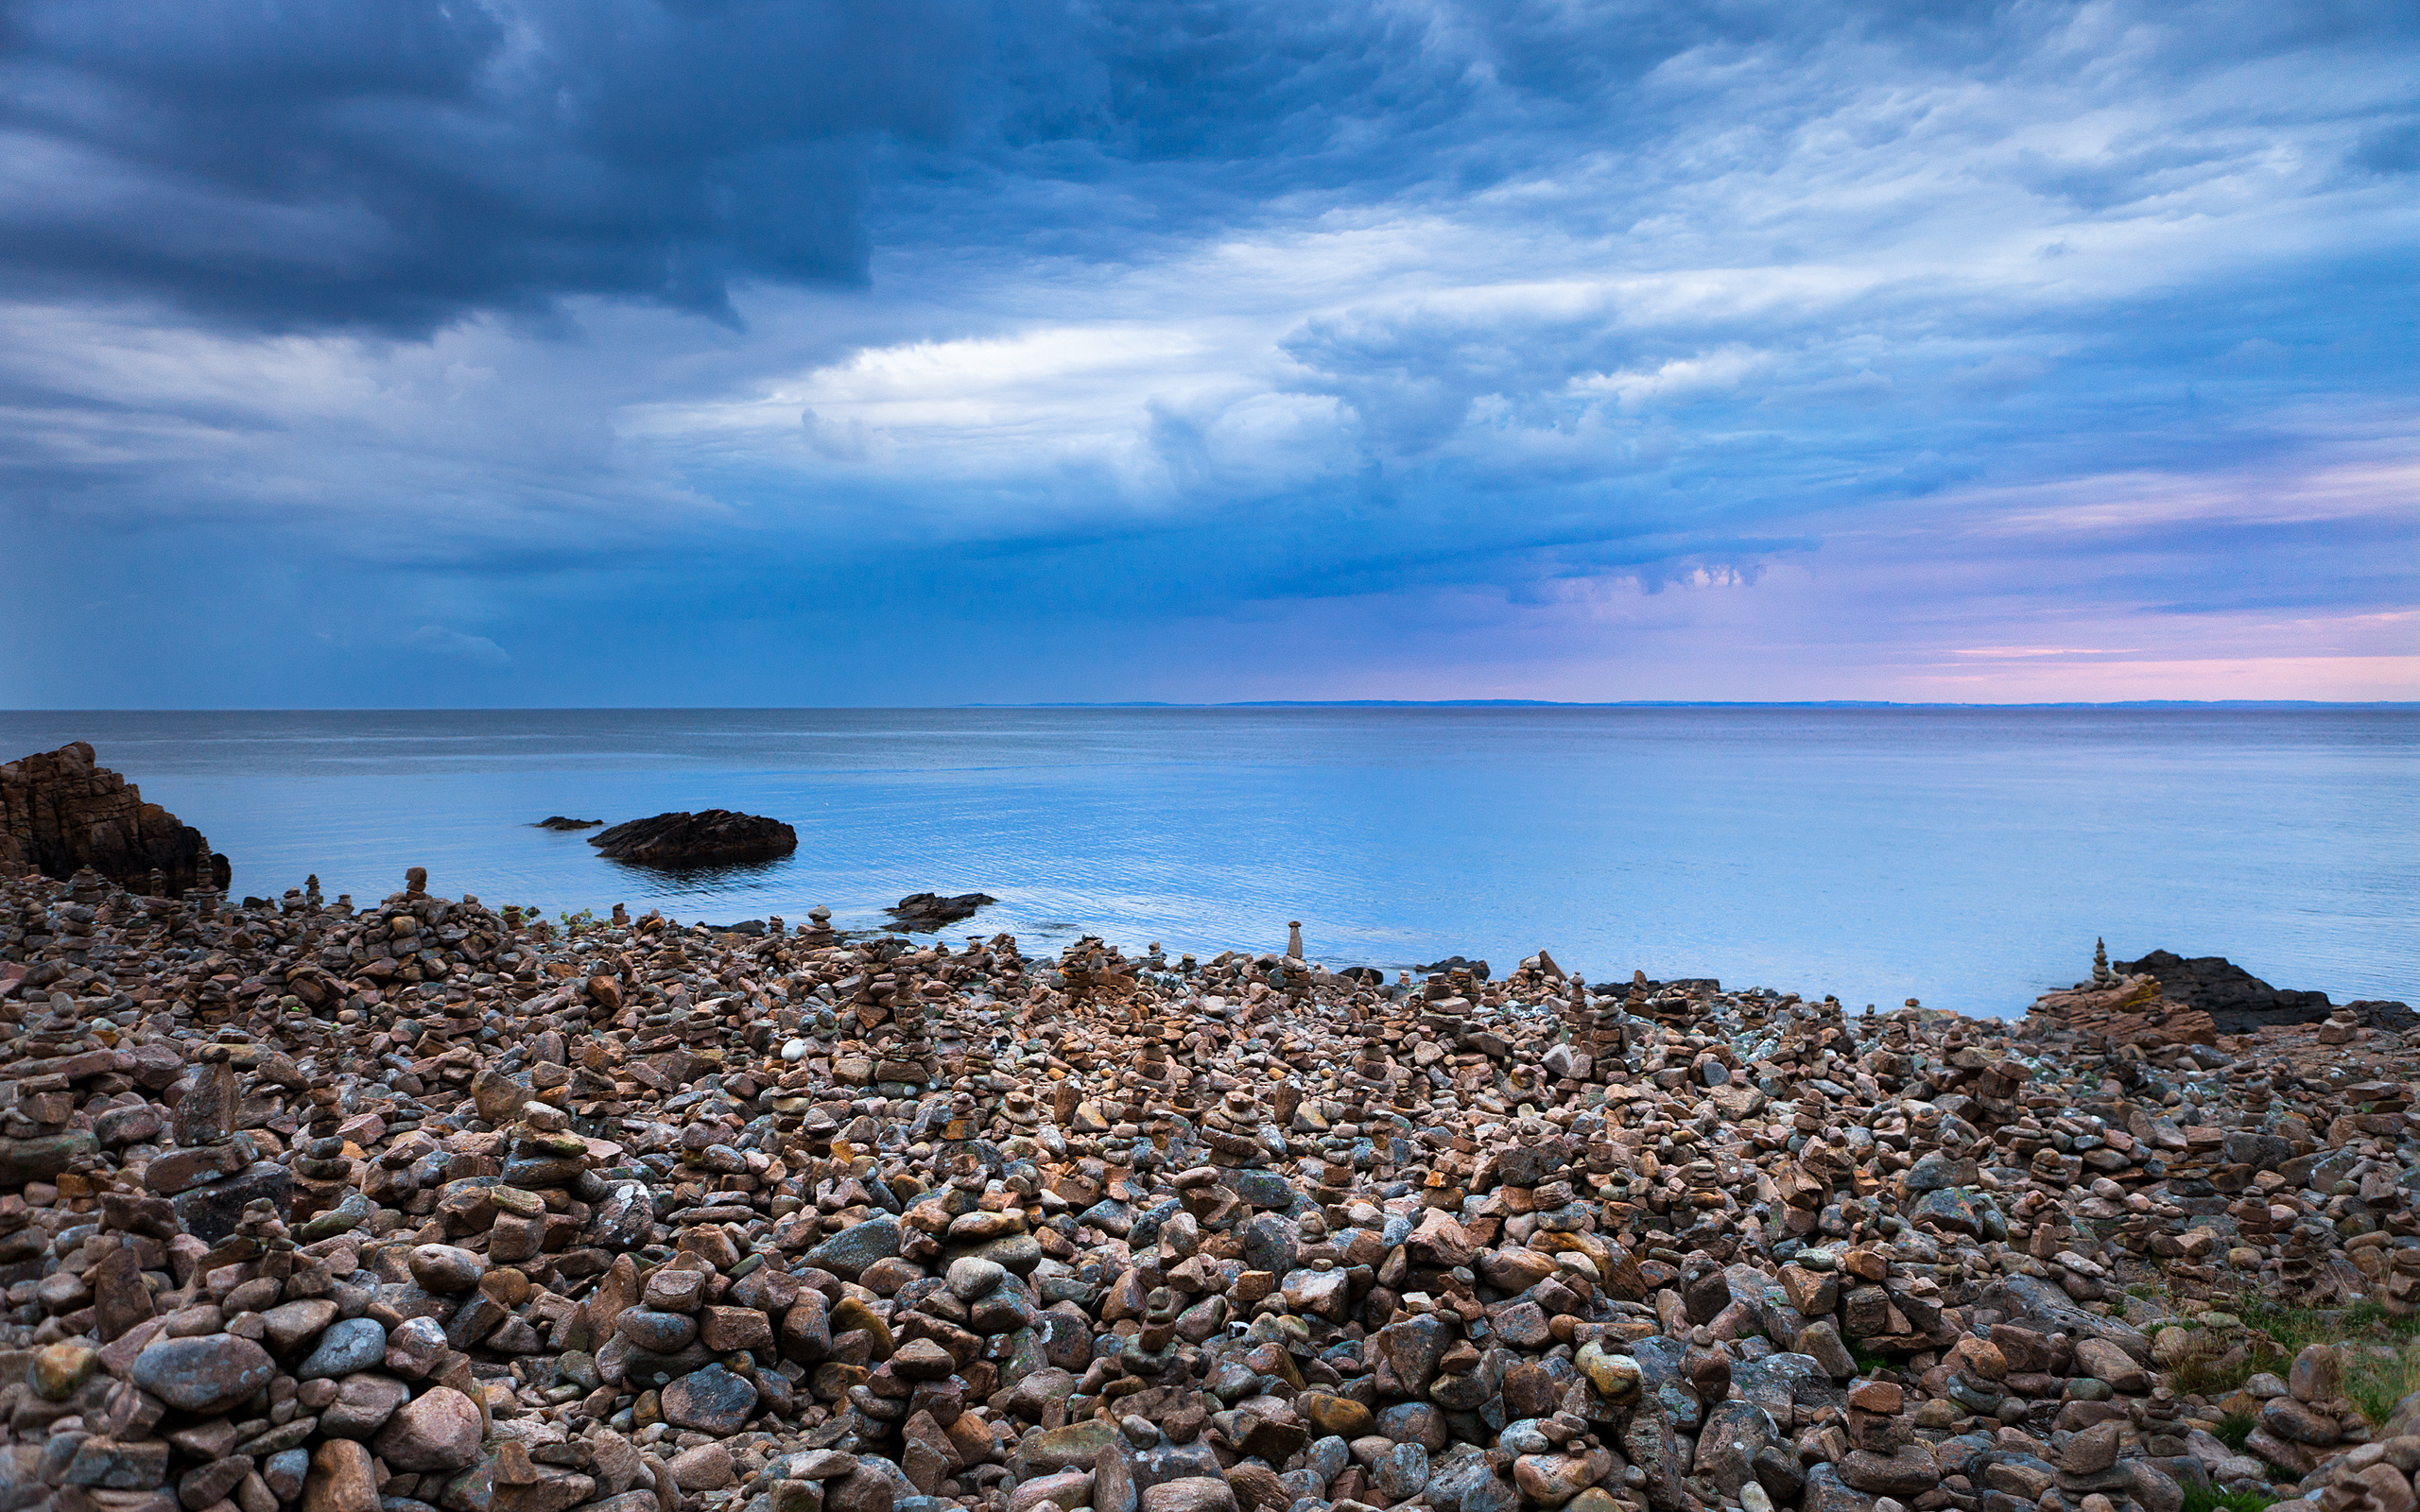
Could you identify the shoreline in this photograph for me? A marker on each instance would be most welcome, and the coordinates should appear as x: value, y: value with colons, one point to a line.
x: 652, y: 1219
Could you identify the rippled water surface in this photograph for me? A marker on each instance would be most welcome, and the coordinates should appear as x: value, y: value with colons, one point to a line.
x: 1965, y: 858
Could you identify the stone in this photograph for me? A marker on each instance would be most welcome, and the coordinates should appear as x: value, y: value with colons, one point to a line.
x: 342, y: 1478
x: 1062, y: 1488
x: 1401, y: 1474
x: 1191, y: 1493
x: 654, y: 1330
x: 1910, y: 1472
x: 712, y: 1401
x: 414, y: 1347
x: 1551, y: 1480
x: 446, y: 1268
x: 2105, y: 1361
x: 347, y: 1346
x: 212, y: 1211
x: 2298, y: 1423
x: 112, y: 1464
x: 2091, y: 1451
x: 59, y: 1368
x: 1075, y: 1446
x: 439, y: 1429
x: 1733, y: 1434
x: 711, y: 838
x: 2315, y: 1376
x: 847, y: 1253
x: 292, y: 1324
x: 706, y: 1467
x: 364, y: 1404
x: 204, y: 1375
x: 1331, y: 1414
x: 924, y: 912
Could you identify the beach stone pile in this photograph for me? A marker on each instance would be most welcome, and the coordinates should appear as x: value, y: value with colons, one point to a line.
x: 434, y: 1205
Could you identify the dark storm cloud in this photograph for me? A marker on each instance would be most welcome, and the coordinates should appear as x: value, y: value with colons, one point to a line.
x: 400, y: 163
x: 510, y: 347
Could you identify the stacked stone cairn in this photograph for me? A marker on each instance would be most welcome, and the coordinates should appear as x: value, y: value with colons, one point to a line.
x: 434, y: 1206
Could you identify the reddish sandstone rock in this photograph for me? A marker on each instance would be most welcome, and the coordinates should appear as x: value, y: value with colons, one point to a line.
x: 60, y: 812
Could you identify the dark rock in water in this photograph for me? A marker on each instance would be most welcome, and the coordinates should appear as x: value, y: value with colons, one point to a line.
x: 717, y: 838
x: 924, y: 912
x: 556, y: 821
x: 746, y: 929
x: 60, y: 813
x: 1452, y: 963
x: 2239, y: 1002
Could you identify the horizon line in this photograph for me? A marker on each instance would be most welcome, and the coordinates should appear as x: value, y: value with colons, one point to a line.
x: 1271, y: 703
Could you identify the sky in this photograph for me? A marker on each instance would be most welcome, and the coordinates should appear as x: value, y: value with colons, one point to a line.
x: 496, y: 352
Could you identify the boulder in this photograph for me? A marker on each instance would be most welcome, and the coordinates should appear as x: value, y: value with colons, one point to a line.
x: 716, y: 837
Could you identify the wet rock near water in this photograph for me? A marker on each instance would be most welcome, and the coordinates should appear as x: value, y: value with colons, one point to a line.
x: 557, y: 821
x: 2241, y: 1003
x: 717, y: 838
x: 437, y: 1206
x: 924, y: 913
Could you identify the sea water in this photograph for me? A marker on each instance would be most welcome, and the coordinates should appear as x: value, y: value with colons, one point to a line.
x: 1965, y: 858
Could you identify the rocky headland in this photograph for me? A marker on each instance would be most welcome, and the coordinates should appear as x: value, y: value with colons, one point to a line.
x: 435, y: 1205
x: 61, y: 813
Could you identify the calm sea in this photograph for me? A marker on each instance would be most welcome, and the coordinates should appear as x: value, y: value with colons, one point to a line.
x: 1967, y: 857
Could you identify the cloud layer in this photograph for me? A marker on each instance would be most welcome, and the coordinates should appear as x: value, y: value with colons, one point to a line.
x: 755, y: 353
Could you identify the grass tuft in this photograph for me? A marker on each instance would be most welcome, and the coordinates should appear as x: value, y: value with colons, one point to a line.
x: 2374, y: 1383
x: 2234, y: 1427
x: 2198, y: 1499
x: 2367, y: 1314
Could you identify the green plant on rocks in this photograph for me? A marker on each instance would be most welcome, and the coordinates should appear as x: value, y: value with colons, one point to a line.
x: 2210, y: 1499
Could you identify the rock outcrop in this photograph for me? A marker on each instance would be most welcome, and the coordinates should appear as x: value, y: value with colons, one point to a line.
x: 921, y: 913
x: 60, y: 813
x: 557, y: 821
x: 717, y: 838
x: 2238, y: 1001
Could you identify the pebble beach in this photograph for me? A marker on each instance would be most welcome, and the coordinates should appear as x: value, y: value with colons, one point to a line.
x: 428, y: 1204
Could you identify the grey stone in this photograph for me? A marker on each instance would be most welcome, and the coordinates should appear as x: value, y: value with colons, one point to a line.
x: 1728, y: 1445
x: 847, y: 1253
x: 349, y: 1344
x: 205, y: 1374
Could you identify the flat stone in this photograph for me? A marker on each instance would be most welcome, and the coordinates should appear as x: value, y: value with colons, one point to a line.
x: 1191, y: 1493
